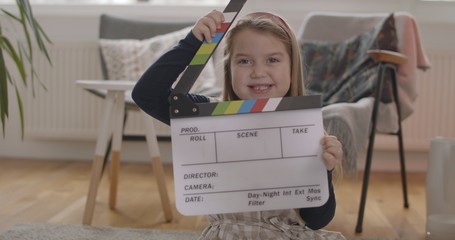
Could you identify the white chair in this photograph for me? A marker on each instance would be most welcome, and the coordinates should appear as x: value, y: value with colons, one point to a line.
x: 390, y: 71
x: 118, y: 104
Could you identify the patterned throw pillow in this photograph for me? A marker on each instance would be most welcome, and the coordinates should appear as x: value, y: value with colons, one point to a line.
x: 342, y: 71
x: 127, y: 59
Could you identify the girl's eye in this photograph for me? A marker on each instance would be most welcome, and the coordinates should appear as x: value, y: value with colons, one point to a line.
x: 243, y: 61
x: 273, y: 60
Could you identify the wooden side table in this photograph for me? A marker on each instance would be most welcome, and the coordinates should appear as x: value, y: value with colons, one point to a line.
x: 112, y: 123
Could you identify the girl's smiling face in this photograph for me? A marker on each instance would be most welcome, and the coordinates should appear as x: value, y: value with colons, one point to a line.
x: 260, y: 65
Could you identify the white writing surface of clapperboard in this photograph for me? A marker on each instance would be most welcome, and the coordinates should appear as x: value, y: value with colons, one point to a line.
x: 250, y: 155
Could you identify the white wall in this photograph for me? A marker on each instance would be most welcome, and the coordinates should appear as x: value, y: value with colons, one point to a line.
x: 79, y: 23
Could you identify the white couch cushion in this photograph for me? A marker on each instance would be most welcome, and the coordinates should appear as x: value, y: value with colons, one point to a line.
x: 127, y: 59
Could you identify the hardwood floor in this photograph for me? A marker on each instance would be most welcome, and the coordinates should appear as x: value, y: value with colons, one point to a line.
x: 42, y: 191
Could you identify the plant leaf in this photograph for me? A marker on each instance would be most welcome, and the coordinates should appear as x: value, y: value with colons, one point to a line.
x: 17, y: 58
x: 3, y: 92
x: 20, y: 54
x: 21, y: 111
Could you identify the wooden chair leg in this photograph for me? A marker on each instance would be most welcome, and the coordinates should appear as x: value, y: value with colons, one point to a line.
x: 157, y: 165
x: 95, y: 177
x: 116, y: 147
x: 114, y: 172
x: 109, y: 145
x: 97, y: 166
x: 107, y: 154
x: 160, y: 178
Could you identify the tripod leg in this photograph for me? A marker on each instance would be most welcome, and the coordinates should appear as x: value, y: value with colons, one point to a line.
x: 366, y: 174
x: 400, y: 142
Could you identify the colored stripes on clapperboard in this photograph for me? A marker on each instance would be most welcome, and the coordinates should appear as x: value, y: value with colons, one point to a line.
x: 206, y: 50
x: 260, y: 105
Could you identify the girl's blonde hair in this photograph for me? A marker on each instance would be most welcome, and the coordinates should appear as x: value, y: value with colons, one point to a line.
x: 265, y: 23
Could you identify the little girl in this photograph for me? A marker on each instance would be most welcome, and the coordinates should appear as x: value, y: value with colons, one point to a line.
x: 262, y: 60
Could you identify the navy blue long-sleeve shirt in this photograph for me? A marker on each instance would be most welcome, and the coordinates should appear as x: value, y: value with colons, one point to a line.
x: 151, y: 94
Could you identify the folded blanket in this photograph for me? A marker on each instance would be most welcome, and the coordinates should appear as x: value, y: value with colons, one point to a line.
x: 350, y: 123
x: 347, y: 35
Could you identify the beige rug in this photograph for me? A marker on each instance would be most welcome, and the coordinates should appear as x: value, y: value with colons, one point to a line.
x: 27, y: 231
x: 81, y: 232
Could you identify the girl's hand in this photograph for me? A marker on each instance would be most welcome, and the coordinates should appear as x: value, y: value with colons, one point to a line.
x: 206, y: 26
x: 332, y: 151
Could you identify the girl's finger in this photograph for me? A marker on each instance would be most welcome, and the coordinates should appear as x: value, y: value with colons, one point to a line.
x: 213, y: 21
x: 329, y: 161
x: 217, y: 17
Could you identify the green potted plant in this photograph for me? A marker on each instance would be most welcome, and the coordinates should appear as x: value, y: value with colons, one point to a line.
x: 20, y: 52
